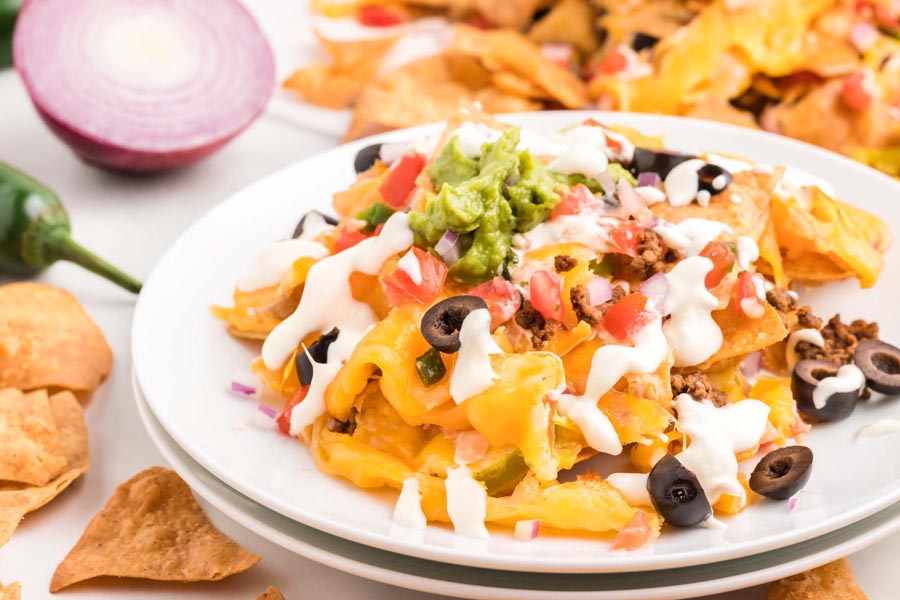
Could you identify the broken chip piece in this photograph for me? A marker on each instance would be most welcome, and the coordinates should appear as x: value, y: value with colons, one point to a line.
x: 834, y: 580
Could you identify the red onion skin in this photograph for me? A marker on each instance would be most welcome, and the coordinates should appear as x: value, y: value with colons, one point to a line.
x: 99, y: 152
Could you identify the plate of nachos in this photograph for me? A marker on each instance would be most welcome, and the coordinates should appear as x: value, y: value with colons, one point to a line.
x: 558, y: 342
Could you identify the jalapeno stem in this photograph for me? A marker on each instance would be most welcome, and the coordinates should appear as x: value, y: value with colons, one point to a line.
x: 72, y: 251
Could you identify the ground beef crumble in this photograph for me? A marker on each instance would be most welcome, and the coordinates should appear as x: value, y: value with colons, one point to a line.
x: 563, y: 263
x: 840, y: 340
x: 792, y: 315
x: 541, y: 329
x: 698, y: 386
x: 585, y: 311
x: 652, y: 254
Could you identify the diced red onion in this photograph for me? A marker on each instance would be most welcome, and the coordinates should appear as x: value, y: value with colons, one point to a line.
x: 471, y: 447
x: 792, y: 503
x: 267, y: 410
x: 528, y: 529
x: 607, y: 182
x: 863, y: 35
x: 648, y: 178
x: 241, y: 385
x: 448, y: 247
x: 599, y: 290
x: 143, y: 85
x: 751, y: 365
x: 656, y: 288
x: 631, y: 202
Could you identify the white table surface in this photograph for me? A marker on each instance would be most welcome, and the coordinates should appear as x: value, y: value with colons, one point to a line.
x: 131, y: 221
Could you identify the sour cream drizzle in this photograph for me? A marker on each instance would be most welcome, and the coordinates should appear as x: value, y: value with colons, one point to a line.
x: 880, y: 427
x: 274, y: 262
x: 747, y: 252
x: 849, y: 378
x: 609, y: 364
x: 409, y: 264
x: 812, y: 336
x: 580, y: 158
x: 589, y: 231
x: 795, y: 183
x: 691, y: 331
x: 408, y: 510
x: 682, y: 182
x: 690, y: 235
x: 466, y: 503
x: 716, y: 435
x: 473, y: 372
x: 633, y: 487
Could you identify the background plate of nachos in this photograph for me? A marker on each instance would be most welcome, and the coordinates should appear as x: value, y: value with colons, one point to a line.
x: 184, y: 361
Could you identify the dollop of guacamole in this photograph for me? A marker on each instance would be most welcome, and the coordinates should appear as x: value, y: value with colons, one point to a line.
x: 485, y: 200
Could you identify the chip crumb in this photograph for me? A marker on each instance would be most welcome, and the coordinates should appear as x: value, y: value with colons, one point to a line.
x: 833, y: 581
x: 271, y: 593
x: 152, y: 528
x: 12, y: 591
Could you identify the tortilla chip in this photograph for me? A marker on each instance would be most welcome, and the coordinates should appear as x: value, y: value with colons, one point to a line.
x: 12, y: 591
x: 152, y: 528
x: 512, y: 84
x: 571, y: 22
x: 509, y: 14
x: 833, y: 581
x: 742, y: 335
x: 271, y: 593
x: 510, y: 51
x: 31, y: 449
x: 49, y: 340
x: 770, y: 261
x: 16, y: 500
x: 747, y: 217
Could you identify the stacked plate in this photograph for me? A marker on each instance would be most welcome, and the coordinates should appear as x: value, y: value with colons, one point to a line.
x: 184, y: 361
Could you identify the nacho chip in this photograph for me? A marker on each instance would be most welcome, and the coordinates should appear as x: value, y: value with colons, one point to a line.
x: 49, y: 340
x: 12, y: 591
x: 271, y: 593
x: 833, y: 581
x: 743, y: 335
x: 16, y: 500
x: 31, y: 449
x: 571, y: 22
x: 152, y: 528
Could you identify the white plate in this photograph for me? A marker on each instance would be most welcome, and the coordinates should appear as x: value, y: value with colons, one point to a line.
x: 184, y: 362
x: 439, y: 578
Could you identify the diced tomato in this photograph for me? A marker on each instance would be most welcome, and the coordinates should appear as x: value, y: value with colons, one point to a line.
x: 855, y: 93
x: 625, y: 237
x: 401, y: 179
x: 546, y: 294
x: 722, y: 259
x: 284, y: 419
x: 349, y: 235
x: 379, y: 16
x: 477, y: 19
x: 747, y: 301
x: 576, y: 200
x: 502, y: 297
x: 637, y: 533
x: 614, y: 62
x: 884, y: 17
x: 400, y: 288
x: 627, y: 316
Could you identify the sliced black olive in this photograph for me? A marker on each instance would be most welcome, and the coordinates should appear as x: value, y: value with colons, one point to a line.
x: 442, y: 322
x: 782, y: 472
x: 804, y: 381
x: 880, y: 363
x: 713, y: 178
x: 366, y: 157
x: 318, y: 351
x: 656, y: 161
x: 641, y: 41
x: 298, y: 230
x: 676, y: 493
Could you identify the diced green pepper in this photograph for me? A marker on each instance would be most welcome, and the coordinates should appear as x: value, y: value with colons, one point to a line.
x: 374, y: 216
x: 430, y: 367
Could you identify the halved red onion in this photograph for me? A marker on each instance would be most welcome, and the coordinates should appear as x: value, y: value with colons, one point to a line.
x: 448, y: 247
x: 143, y: 85
x: 599, y: 290
x: 648, y: 178
x: 656, y: 288
x: 528, y: 529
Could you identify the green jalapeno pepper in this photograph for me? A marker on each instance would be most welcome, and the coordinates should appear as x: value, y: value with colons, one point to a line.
x: 9, y: 10
x: 35, y: 231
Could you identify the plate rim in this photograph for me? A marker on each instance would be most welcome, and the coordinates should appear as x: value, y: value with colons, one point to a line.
x: 869, y: 534
x: 449, y: 555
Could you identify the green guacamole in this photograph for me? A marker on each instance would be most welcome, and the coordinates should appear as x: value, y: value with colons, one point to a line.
x: 486, y: 200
